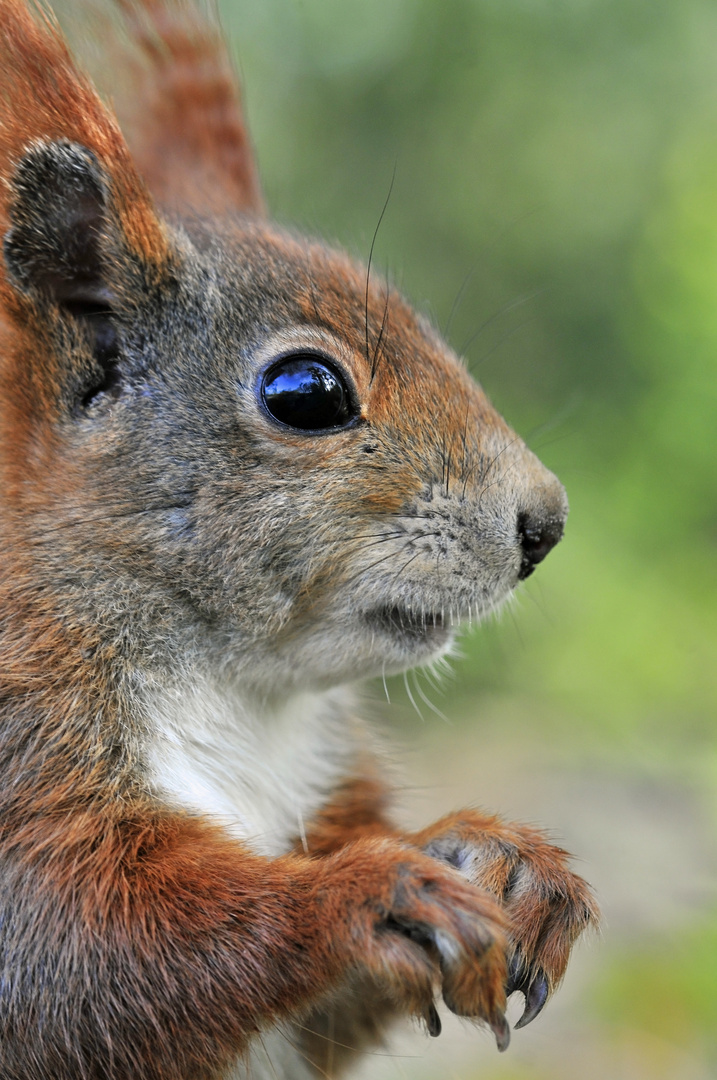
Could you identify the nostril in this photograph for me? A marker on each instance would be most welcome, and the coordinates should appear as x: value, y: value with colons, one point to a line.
x: 537, y: 537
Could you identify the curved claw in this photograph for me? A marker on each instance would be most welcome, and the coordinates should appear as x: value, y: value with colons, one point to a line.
x: 433, y: 1021
x: 534, y: 988
x: 501, y: 1030
x: 535, y: 997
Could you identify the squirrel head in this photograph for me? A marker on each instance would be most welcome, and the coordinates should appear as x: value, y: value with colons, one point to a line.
x: 221, y: 443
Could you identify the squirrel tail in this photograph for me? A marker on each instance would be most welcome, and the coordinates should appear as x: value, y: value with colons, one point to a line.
x: 186, y: 130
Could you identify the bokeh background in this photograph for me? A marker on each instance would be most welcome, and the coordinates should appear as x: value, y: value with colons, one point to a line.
x: 555, y: 207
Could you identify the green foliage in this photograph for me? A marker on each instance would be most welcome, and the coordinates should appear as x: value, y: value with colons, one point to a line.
x: 666, y: 988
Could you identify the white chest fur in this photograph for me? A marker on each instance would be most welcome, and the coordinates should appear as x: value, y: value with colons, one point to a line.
x: 260, y: 773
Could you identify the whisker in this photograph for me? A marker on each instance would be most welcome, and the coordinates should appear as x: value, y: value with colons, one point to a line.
x: 370, y: 257
x: 506, y: 337
x: 302, y: 1053
x: 539, y: 602
x: 496, y: 457
x: 405, y: 565
x: 456, y: 303
x: 464, y: 438
x: 411, y: 697
x: 332, y: 1044
x: 424, y: 697
x: 479, y: 464
x: 384, y: 324
x: 516, y: 626
x: 393, y: 554
x: 374, y: 541
x: 267, y: 1055
x: 519, y: 301
x: 486, y: 245
x: 312, y: 294
x: 443, y: 458
x: 552, y: 442
x: 365, y: 569
x: 431, y: 675
x: 343, y: 1046
x: 99, y: 519
x: 567, y: 411
x: 385, y: 685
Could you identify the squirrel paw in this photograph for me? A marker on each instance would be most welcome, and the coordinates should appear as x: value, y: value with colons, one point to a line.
x: 546, y: 905
x: 418, y: 927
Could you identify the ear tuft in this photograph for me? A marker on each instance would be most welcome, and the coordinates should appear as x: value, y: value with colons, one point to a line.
x: 58, y: 236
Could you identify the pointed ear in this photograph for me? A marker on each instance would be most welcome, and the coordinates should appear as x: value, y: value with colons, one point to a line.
x: 186, y: 128
x: 63, y: 164
x: 66, y: 245
x: 60, y: 226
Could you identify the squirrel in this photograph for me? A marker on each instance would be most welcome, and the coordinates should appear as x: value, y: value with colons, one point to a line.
x: 237, y: 474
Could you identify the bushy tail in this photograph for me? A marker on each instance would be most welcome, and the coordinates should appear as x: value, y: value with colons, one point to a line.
x: 187, y: 132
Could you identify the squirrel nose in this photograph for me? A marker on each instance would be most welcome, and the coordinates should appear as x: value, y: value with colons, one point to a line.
x: 537, y: 537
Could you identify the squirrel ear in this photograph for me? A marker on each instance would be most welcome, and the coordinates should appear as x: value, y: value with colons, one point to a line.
x: 59, y: 224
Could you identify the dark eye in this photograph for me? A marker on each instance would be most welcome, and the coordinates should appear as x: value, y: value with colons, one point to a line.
x: 303, y: 391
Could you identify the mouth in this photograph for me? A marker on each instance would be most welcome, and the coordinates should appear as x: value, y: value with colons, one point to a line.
x: 409, y: 626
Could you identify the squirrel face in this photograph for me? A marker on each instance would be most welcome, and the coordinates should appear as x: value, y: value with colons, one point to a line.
x: 264, y: 446
x: 417, y: 510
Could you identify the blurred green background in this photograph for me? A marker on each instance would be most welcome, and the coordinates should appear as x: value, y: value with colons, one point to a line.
x: 554, y: 204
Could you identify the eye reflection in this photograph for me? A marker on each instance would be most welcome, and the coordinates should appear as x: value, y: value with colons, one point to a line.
x: 305, y: 392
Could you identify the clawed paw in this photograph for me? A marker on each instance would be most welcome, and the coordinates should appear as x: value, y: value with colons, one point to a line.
x: 547, y: 906
x: 480, y: 911
x: 471, y: 970
x: 425, y: 932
